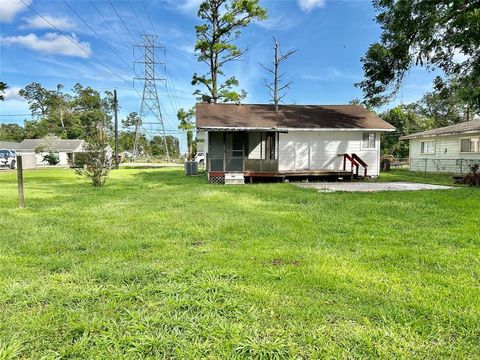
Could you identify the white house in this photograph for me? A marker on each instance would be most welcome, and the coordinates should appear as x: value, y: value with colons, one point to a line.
x: 449, y: 149
x: 251, y: 141
x: 65, y: 150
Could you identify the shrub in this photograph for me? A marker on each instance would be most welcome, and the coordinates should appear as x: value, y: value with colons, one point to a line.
x: 96, y: 160
x: 51, y: 158
x: 473, y: 177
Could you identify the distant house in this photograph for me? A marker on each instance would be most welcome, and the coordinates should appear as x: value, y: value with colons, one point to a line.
x: 8, y: 145
x: 64, y: 149
x: 448, y: 149
x: 248, y: 141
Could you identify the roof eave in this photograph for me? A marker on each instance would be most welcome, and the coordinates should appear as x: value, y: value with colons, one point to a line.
x: 415, y: 136
x: 237, y: 128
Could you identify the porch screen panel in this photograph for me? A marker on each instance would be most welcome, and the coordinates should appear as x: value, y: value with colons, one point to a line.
x: 234, y: 149
x: 216, y: 151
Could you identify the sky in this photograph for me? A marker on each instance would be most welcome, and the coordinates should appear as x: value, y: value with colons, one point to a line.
x: 92, y: 42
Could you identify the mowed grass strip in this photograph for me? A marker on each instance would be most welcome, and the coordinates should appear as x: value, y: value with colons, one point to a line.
x: 158, y: 265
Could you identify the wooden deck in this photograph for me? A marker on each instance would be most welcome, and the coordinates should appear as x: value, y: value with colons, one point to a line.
x: 325, y: 173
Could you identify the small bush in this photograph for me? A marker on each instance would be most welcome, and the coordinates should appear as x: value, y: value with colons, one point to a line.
x: 473, y: 177
x: 96, y: 161
x: 51, y: 158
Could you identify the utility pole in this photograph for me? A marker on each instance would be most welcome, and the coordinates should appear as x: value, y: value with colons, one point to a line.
x: 150, y: 100
x: 115, y: 107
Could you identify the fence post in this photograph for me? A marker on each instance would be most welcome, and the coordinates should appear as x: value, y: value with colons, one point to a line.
x: 21, y: 199
x: 426, y: 165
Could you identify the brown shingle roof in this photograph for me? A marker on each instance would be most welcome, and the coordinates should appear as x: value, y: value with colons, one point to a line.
x: 461, y: 128
x: 288, y: 116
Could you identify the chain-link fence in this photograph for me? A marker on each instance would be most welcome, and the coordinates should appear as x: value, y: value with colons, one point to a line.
x: 453, y: 166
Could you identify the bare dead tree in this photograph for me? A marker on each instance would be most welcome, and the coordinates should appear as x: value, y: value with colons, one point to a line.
x: 274, y: 87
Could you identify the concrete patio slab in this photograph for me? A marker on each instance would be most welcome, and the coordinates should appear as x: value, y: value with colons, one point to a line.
x: 370, y: 186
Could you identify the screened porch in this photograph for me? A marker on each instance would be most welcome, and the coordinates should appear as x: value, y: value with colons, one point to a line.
x: 243, y: 151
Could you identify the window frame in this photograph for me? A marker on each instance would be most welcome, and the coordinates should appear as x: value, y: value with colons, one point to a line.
x: 470, y: 138
x: 374, y: 140
x: 434, y: 147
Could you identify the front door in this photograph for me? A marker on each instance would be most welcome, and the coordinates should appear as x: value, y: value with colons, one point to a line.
x: 302, y: 153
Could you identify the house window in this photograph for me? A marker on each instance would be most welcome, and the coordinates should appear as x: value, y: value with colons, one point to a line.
x: 471, y: 145
x: 427, y: 147
x: 369, y: 141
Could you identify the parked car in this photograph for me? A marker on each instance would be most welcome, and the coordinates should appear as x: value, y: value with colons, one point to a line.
x: 199, y: 158
x: 7, y: 158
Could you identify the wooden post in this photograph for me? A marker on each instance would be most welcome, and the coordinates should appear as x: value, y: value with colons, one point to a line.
x: 21, y: 199
x: 115, y: 107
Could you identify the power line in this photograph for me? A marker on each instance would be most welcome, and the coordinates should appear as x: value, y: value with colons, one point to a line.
x: 109, y: 25
x: 83, y: 49
x: 135, y: 13
x: 88, y: 25
x: 149, y: 18
x: 76, y: 44
x: 113, y: 7
x: 15, y: 115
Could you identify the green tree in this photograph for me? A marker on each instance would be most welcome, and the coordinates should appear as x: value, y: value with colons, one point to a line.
x: 441, y: 34
x: 11, y: 132
x: 187, y: 124
x: 157, y: 146
x: 38, y: 98
x: 69, y: 116
x: 130, y: 127
x: 223, y: 21
x: 3, y: 87
x: 96, y: 162
x: 406, y: 122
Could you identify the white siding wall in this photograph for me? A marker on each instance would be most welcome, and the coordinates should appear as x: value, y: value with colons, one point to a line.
x: 62, y: 156
x: 446, y: 157
x: 318, y: 150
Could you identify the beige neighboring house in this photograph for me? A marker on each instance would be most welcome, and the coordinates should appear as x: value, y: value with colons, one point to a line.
x: 64, y: 149
x: 450, y: 149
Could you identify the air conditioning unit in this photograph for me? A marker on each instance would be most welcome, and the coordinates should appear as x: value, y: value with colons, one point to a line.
x: 234, y: 179
x: 191, y: 168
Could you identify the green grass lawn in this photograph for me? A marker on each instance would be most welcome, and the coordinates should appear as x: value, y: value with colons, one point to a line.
x: 157, y: 265
x: 418, y: 177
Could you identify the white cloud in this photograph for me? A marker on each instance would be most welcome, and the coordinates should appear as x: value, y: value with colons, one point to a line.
x: 50, y: 43
x: 189, y: 49
x: 309, y: 5
x: 50, y: 22
x: 11, y: 93
x: 331, y: 73
x: 10, y: 8
x: 185, y: 6
x: 284, y: 22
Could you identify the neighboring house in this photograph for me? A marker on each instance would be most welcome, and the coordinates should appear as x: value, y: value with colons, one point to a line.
x: 248, y: 141
x: 64, y: 149
x: 127, y: 154
x: 8, y: 145
x: 449, y: 149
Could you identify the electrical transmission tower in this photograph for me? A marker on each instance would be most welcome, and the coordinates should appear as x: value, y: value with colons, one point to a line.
x: 150, y: 101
